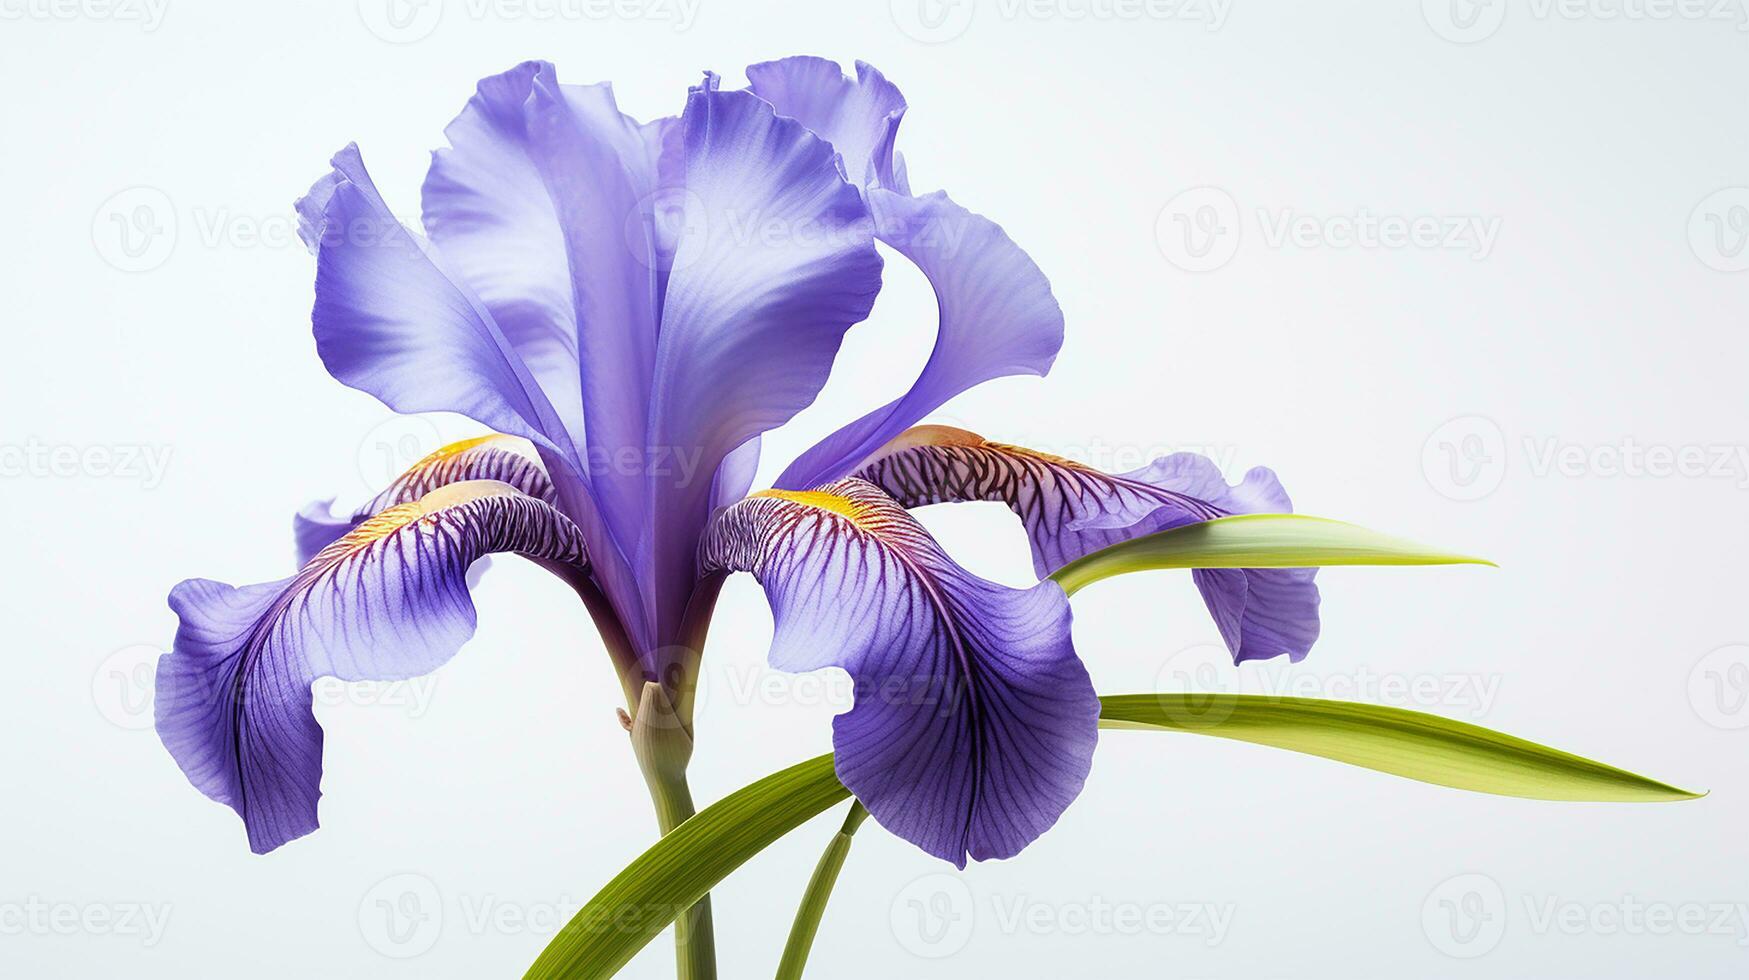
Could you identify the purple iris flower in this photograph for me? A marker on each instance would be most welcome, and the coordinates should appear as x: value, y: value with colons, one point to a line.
x: 629, y: 306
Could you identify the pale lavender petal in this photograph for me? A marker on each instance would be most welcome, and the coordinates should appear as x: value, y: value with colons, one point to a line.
x: 774, y: 263
x: 735, y: 476
x: 1071, y: 510
x: 389, y: 321
x: 598, y: 169
x: 1262, y: 612
x: 997, y: 318
x: 387, y: 601
x: 547, y: 194
x: 486, y: 207
x: 859, y: 117
x: 974, y: 723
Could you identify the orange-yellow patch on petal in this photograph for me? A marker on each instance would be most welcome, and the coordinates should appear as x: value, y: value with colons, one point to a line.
x: 845, y: 507
x: 387, y: 522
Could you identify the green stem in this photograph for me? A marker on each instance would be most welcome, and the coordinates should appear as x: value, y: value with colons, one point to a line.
x: 663, y: 747
x: 807, y: 924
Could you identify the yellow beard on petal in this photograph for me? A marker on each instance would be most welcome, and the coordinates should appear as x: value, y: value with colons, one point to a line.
x: 842, y: 506
x: 381, y: 525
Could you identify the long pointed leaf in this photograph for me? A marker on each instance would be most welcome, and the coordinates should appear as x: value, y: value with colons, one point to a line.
x: 683, y: 866
x: 1394, y: 740
x: 1254, y: 541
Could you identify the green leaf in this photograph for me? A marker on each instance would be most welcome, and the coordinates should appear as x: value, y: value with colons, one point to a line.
x: 813, y: 905
x: 1253, y: 541
x: 683, y: 866
x: 1394, y: 740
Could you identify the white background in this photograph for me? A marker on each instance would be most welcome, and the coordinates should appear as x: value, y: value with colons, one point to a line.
x: 1602, y: 317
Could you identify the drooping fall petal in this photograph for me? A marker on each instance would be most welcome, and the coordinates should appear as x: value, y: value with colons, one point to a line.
x: 1070, y: 510
x: 388, y: 600
x: 975, y: 722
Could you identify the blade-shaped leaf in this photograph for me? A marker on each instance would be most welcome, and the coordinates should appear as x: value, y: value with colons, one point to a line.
x: 1254, y: 541
x: 1394, y: 740
x: 683, y: 866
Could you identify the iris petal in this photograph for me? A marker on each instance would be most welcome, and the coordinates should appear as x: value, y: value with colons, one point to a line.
x: 506, y: 459
x: 486, y: 208
x: 387, y: 601
x: 975, y: 722
x: 1070, y: 510
x: 543, y: 197
x: 858, y: 117
x: 774, y: 263
x: 997, y: 318
x: 390, y: 321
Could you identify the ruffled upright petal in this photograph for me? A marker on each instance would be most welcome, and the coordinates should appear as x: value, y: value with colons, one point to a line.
x: 506, y: 459
x: 390, y: 321
x: 974, y: 723
x: 599, y: 172
x: 388, y: 600
x: 774, y: 263
x: 859, y: 117
x: 997, y: 318
x: 486, y: 207
x: 1071, y: 510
